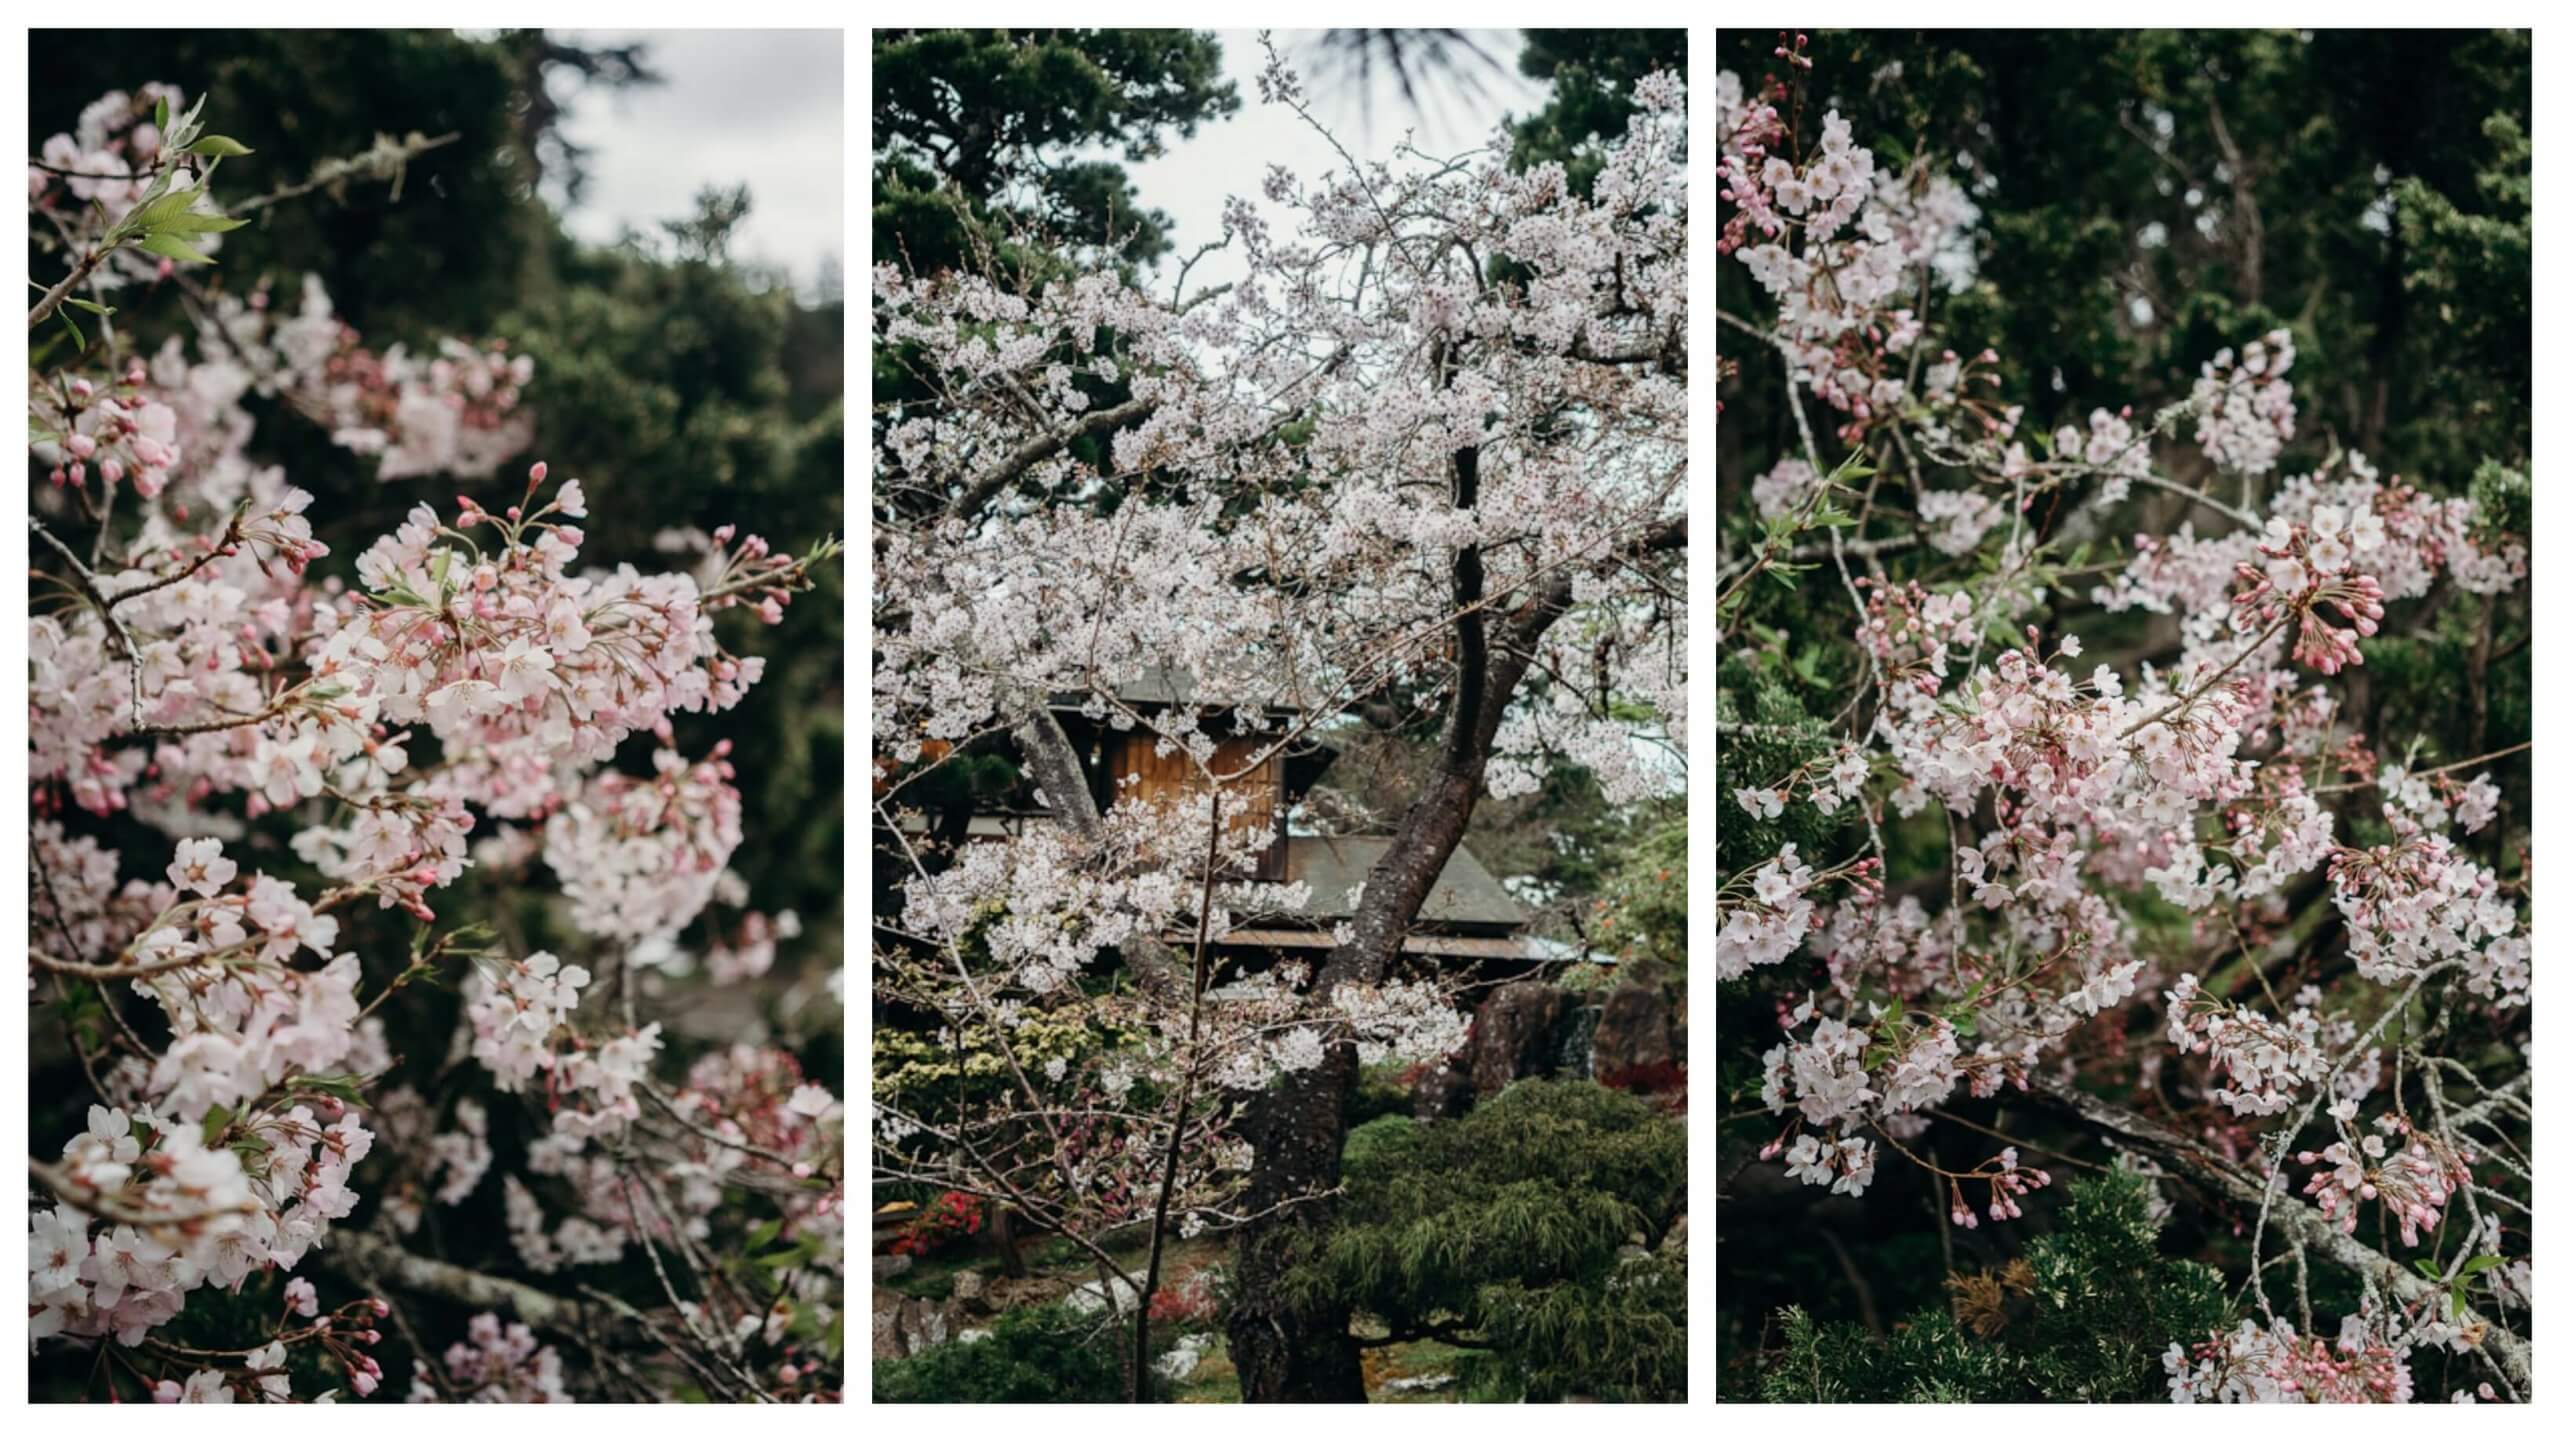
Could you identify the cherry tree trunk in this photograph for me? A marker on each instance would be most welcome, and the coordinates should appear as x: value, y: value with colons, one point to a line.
x: 1284, y: 1353
x: 1287, y: 1352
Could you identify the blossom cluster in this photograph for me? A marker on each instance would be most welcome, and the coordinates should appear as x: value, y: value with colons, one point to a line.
x: 2245, y: 405
x: 452, y: 696
x: 2216, y: 781
x: 2279, y: 1364
x: 2268, y: 1064
x: 1839, y: 242
x: 2412, y: 1183
x: 180, y: 1215
x: 497, y: 1363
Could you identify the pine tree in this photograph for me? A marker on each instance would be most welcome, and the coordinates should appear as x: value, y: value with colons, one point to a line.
x: 2082, y: 1317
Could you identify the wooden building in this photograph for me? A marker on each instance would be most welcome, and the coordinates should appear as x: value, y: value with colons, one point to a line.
x: 1467, y: 917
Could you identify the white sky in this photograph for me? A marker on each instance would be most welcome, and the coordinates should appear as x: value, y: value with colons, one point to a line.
x: 1230, y: 156
x: 760, y: 107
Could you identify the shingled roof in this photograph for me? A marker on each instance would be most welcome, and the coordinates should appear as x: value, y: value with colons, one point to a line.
x: 1332, y: 865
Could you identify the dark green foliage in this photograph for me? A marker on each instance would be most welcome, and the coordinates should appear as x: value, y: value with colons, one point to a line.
x: 1047, y: 1353
x: 2471, y: 273
x: 1504, y: 1230
x: 2083, y: 1317
x: 1594, y: 72
x: 448, y: 252
x: 1643, y: 911
x: 1766, y: 732
x: 2414, y: 332
x: 977, y: 133
x: 1928, y: 1359
x: 1382, y: 1093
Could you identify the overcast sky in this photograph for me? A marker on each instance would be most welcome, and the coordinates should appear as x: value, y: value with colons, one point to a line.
x: 760, y: 107
x: 1229, y: 156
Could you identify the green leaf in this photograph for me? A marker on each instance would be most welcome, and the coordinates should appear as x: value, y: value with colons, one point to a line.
x: 85, y: 305
x: 170, y: 246
x: 219, y: 146
x: 2427, y: 1266
x: 2481, y: 1264
x: 2459, y: 1302
x: 215, y: 1121
x: 160, y: 113
x: 194, y: 222
x: 152, y: 213
x: 77, y: 339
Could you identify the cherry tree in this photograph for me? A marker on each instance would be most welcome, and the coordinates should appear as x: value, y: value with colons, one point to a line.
x: 1425, y: 456
x: 2320, y: 974
x: 344, y: 766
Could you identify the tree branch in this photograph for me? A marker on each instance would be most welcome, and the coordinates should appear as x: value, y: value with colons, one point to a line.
x: 2214, y: 1175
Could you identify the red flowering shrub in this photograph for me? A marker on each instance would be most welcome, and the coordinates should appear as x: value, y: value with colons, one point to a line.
x: 953, y: 1215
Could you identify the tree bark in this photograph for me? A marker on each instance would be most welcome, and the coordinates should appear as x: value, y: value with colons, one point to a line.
x: 1303, y: 1352
x: 1052, y: 759
x: 2211, y: 1173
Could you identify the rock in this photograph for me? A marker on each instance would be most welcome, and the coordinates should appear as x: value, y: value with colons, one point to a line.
x: 885, y: 1266
x: 1634, y: 1036
x: 970, y: 1335
x: 1183, y: 1358
x: 1006, y: 1294
x: 1443, y: 1091
x: 1425, y: 1382
x: 1088, y: 1297
x: 969, y: 1291
x: 1675, y: 1244
x: 1517, y: 1035
x: 902, y: 1326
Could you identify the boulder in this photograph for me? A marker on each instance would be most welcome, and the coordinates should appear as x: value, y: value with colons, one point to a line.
x: 1443, y: 1091
x: 1634, y: 1035
x: 902, y: 1326
x: 1518, y: 1034
x: 885, y: 1266
x: 1006, y: 1294
x: 969, y: 1291
x: 1088, y: 1297
x: 1183, y: 1358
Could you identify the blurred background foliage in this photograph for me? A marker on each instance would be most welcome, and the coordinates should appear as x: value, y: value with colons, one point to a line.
x: 2147, y: 198
x: 684, y: 389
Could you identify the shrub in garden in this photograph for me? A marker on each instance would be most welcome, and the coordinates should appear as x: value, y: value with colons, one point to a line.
x: 1046, y: 1353
x: 1518, y: 1231
x: 948, y: 1217
x: 2080, y: 1317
